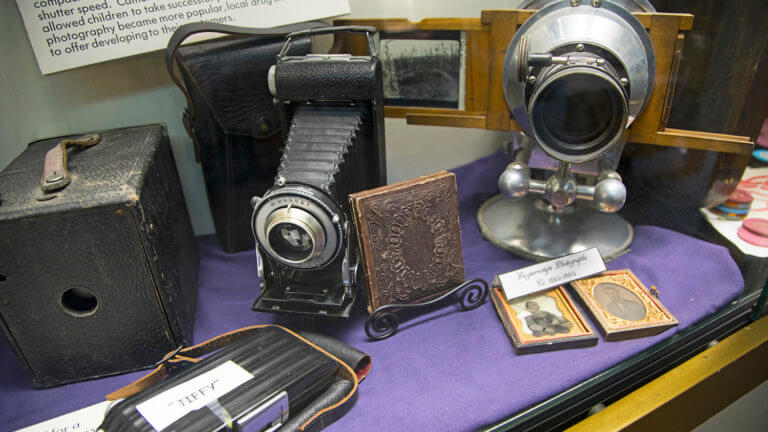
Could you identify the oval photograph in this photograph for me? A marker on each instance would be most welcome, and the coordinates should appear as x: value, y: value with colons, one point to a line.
x: 619, y: 301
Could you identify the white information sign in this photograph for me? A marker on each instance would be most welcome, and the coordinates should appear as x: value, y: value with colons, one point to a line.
x: 167, y: 407
x: 548, y: 274
x: 82, y: 420
x: 66, y: 34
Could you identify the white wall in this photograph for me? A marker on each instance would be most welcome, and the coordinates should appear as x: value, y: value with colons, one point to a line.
x: 137, y: 90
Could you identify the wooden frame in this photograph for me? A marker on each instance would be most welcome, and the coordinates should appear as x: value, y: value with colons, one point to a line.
x: 571, y: 331
x: 487, y: 39
x: 622, y: 306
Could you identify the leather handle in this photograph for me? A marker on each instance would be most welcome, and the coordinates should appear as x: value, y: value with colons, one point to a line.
x: 368, y: 31
x: 55, y: 172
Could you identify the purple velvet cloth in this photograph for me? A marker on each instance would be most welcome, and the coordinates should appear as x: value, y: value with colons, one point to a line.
x: 449, y: 369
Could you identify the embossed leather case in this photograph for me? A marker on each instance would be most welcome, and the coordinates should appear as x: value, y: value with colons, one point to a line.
x: 409, y: 239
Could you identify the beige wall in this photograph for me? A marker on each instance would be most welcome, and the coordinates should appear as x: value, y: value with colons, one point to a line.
x: 137, y: 90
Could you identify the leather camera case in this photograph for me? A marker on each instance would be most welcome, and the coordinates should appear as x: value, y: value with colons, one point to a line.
x: 289, y: 382
x: 231, y: 117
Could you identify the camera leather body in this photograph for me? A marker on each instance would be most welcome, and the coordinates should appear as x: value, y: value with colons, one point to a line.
x: 231, y: 117
x: 262, y: 377
x: 98, y: 277
x: 298, y: 81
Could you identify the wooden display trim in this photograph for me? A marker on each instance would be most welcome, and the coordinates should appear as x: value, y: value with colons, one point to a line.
x: 686, y: 396
x: 487, y: 39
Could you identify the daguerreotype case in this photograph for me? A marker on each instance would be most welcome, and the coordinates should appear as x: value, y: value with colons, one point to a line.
x: 544, y: 321
x: 622, y: 306
x: 410, y: 239
x: 98, y: 276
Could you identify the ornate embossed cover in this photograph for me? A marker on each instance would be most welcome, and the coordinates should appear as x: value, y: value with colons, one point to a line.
x: 409, y: 239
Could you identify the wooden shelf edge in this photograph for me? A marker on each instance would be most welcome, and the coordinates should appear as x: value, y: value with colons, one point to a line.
x: 402, y: 24
x: 403, y: 112
x: 465, y: 121
x: 684, y: 397
x: 697, y: 140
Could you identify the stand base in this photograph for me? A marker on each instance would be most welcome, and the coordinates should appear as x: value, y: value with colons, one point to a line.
x: 527, y: 229
x: 279, y: 302
x: 383, y: 322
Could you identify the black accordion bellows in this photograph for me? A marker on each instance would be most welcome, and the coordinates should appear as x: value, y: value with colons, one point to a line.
x: 325, y: 147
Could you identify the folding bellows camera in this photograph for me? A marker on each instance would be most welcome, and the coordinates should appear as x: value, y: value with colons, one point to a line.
x: 334, y: 146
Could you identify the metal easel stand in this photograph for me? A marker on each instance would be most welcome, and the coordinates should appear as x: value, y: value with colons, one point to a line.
x: 383, y: 322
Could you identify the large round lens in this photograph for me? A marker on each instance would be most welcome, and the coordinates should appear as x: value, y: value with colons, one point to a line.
x: 577, y: 110
x: 578, y: 113
x: 291, y: 242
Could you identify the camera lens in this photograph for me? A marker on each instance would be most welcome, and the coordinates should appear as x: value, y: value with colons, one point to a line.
x: 578, y: 113
x: 291, y: 241
x: 577, y: 110
x: 294, y: 235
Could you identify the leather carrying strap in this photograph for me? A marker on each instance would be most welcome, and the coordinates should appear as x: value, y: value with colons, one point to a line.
x: 187, y: 30
x: 55, y: 172
x: 336, y: 391
x: 359, y: 361
x: 355, y: 366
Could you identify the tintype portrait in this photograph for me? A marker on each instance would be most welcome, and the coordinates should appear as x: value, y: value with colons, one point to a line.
x: 622, y: 306
x: 423, y: 69
x: 619, y: 301
x: 544, y: 321
x: 539, y: 322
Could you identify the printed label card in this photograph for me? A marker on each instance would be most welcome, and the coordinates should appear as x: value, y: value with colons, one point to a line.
x: 549, y: 274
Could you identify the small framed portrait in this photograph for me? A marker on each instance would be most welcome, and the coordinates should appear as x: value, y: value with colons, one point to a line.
x: 622, y: 306
x: 544, y: 321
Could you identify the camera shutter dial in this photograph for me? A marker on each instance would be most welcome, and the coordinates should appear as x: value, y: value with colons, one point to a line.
x: 299, y: 227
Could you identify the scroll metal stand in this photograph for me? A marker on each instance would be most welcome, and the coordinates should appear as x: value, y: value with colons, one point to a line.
x: 541, y: 220
x: 383, y: 322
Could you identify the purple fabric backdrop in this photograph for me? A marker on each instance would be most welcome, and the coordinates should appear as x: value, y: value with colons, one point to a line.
x: 449, y: 369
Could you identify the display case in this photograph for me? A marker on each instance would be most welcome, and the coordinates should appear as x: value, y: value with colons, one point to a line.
x: 667, y: 179
x: 677, y: 87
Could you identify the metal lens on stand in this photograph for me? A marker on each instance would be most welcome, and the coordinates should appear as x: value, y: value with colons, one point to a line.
x: 578, y: 113
x: 576, y: 75
x: 294, y: 235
